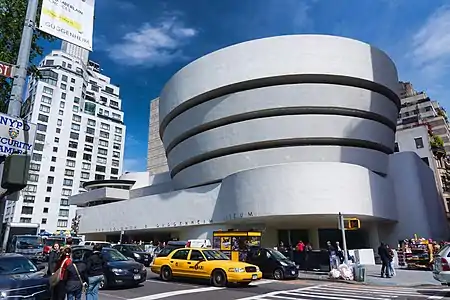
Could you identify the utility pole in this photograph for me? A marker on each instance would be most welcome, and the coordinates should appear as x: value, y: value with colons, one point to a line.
x: 20, y: 76
x: 344, y: 240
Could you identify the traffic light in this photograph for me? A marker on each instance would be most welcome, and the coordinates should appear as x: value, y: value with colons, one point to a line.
x: 352, y: 224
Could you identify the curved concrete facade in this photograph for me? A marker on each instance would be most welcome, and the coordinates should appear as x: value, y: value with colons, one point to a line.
x: 287, y: 99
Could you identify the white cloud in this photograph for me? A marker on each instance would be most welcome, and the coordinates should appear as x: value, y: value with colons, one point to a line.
x: 151, y: 44
x: 431, y: 43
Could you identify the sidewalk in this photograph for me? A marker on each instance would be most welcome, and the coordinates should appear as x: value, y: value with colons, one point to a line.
x: 405, y: 278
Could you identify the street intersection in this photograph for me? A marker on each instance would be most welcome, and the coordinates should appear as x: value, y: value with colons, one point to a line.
x: 154, y: 289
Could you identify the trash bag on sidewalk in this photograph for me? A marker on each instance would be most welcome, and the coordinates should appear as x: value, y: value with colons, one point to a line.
x: 334, y: 273
x: 346, y: 272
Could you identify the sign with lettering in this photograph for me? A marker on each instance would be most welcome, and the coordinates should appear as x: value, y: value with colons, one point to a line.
x: 6, y: 70
x: 16, y: 135
x: 71, y: 21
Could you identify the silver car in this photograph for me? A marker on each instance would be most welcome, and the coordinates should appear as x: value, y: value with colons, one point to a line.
x: 441, y: 269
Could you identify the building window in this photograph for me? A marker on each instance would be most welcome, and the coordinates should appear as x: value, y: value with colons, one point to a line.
x: 47, y: 199
x: 114, y: 171
x: 70, y: 163
x: 52, y: 169
x: 58, y: 130
x: 31, y: 188
x: 117, y: 138
x: 116, y: 116
x: 27, y: 210
x: 62, y: 104
x: 87, y: 157
x: 104, y: 126
x: 59, y: 122
x: 71, y: 88
x: 90, y: 130
x: 76, y: 100
x: 63, y: 95
x: 63, y: 213
x: 38, y: 147
x: 44, y: 108
x: 101, y: 169
x: 89, y: 108
x: 63, y: 86
x: 71, y: 153
x: 53, y: 158
x: 40, y: 137
x: 49, y: 189
x: 104, y: 134
x: 36, y: 157
x: 89, y: 139
x: 76, y: 118
x: 116, y: 154
x: 43, y: 118
x: 99, y: 177
x: 56, y: 139
x: 41, y: 127
x: 62, y: 223
x: 74, y: 135
x: 64, y: 78
x: 72, y: 80
x: 88, y: 148
x: 86, y: 166
x: 91, y: 122
x: 33, y: 177
x: 102, y: 151
x: 103, y: 143
x: 118, y: 130
x: 35, y: 167
x: 114, y: 103
x: 44, y: 221
x: 47, y: 90
x: 85, y: 175
x: 73, y: 144
x: 61, y: 112
x: 419, y: 142
x: 64, y: 202
x: 68, y: 172
x: 46, y: 100
x: 45, y: 210
x: 67, y: 182
x: 50, y: 179
x: 116, y: 146
x: 28, y: 199
x: 25, y: 220
x: 75, y: 108
x: 101, y: 160
x: 75, y: 127
x: 55, y: 149
x: 66, y: 192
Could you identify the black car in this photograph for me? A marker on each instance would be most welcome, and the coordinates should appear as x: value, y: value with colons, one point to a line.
x: 171, y: 246
x: 135, y: 252
x: 119, y: 270
x: 272, y: 263
x: 21, y: 279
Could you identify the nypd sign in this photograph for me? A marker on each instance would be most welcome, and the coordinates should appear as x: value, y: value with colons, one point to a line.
x: 16, y: 135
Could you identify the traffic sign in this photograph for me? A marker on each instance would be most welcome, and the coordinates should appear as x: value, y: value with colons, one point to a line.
x: 6, y: 70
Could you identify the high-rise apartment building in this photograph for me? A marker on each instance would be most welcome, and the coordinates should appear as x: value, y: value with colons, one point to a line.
x: 80, y: 137
x: 156, y: 155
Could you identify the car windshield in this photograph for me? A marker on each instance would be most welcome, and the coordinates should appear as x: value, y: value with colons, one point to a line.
x: 114, y: 255
x: 32, y: 242
x: 76, y: 241
x: 51, y: 242
x: 277, y: 254
x: 104, y: 245
x: 16, y: 265
x: 134, y: 248
x: 214, y: 255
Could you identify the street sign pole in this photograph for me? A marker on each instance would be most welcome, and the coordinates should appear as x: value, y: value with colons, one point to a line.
x: 20, y: 76
x: 344, y: 240
x: 15, y: 102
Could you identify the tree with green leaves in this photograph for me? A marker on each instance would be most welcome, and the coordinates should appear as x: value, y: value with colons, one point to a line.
x: 12, y: 18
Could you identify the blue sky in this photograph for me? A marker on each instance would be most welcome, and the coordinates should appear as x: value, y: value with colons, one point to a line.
x: 140, y: 44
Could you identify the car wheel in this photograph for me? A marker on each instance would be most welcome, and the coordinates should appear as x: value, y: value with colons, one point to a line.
x: 166, y: 273
x: 278, y: 274
x: 104, y: 283
x: 219, y: 278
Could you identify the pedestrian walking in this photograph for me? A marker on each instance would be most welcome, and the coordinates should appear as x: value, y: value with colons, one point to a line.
x: 53, y: 258
x: 95, y: 272
x: 333, y: 255
x: 76, y: 280
x: 384, y: 256
x: 58, y: 278
x: 391, y: 260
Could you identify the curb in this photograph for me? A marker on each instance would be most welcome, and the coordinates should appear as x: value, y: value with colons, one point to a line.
x: 370, y: 284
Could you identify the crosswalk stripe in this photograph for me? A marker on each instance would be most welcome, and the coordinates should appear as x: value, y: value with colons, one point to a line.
x: 341, y: 295
x: 371, y: 291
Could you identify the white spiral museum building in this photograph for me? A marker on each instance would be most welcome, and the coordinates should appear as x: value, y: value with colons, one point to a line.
x: 278, y: 134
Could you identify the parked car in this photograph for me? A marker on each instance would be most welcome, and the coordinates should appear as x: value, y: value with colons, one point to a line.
x: 272, y: 263
x: 441, y: 268
x: 20, y: 278
x: 92, y: 243
x: 135, y: 252
x: 119, y: 270
x: 171, y: 246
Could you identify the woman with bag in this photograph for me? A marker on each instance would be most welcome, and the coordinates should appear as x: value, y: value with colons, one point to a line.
x: 57, y: 280
x: 75, y: 280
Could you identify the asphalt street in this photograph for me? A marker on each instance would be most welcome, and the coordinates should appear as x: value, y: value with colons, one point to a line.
x: 154, y: 289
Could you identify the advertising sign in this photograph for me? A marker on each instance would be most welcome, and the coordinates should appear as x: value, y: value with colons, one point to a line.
x: 16, y: 135
x: 6, y: 70
x: 69, y: 20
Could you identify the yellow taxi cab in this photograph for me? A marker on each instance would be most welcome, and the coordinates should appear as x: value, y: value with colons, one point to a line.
x: 201, y: 263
